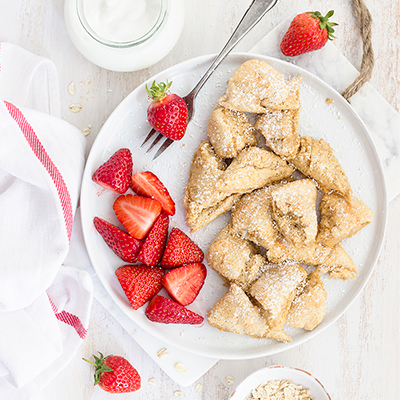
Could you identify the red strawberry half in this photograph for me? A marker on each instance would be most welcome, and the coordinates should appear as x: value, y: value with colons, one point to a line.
x: 116, y: 172
x: 183, y: 284
x: 307, y: 32
x: 166, y: 311
x: 115, y: 374
x: 139, y: 282
x: 180, y: 250
x: 147, y: 184
x: 154, y: 244
x: 137, y: 214
x: 124, y: 246
x: 167, y: 113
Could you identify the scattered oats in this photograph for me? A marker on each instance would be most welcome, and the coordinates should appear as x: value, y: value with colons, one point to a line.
x: 199, y: 387
x: 75, y: 108
x: 86, y: 131
x: 109, y: 90
x: 280, y: 390
x: 71, y: 88
x: 180, y: 367
x: 178, y: 393
x: 162, y: 353
x: 230, y: 380
x: 183, y: 145
x: 90, y: 126
x: 329, y: 101
x: 152, y: 381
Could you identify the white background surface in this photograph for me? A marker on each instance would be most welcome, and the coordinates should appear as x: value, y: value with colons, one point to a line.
x: 355, y: 358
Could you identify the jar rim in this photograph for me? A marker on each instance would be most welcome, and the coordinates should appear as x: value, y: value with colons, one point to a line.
x: 153, y: 30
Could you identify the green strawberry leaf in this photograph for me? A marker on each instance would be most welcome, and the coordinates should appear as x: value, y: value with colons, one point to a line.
x: 100, y: 367
x: 325, y: 23
x: 157, y: 92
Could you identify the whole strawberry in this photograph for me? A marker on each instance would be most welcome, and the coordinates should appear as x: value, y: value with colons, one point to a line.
x: 308, y: 32
x: 115, y: 374
x: 167, y: 113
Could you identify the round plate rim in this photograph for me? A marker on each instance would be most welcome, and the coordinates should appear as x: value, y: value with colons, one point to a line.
x: 245, y: 56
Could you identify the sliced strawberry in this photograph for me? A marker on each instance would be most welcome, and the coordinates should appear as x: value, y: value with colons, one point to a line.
x: 180, y: 250
x: 137, y: 214
x: 147, y: 184
x: 116, y: 173
x: 166, y: 311
x: 154, y: 244
x: 124, y: 246
x: 139, y: 282
x: 184, y: 283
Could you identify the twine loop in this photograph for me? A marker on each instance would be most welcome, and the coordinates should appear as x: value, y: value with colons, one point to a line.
x: 364, y: 19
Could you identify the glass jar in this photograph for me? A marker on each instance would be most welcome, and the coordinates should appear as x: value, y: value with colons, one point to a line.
x: 124, y: 35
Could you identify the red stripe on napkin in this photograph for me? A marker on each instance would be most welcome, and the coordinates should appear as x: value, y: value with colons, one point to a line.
x: 46, y: 161
x: 69, y: 319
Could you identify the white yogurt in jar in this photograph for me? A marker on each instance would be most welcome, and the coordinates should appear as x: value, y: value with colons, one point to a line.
x: 124, y: 35
x: 121, y: 20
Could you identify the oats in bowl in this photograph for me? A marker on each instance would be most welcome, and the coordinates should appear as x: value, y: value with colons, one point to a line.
x: 280, y: 390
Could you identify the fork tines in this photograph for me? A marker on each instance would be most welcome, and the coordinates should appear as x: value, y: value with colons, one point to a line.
x: 162, y: 148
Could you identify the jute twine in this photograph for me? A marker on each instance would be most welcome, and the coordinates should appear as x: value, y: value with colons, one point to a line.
x: 367, y: 64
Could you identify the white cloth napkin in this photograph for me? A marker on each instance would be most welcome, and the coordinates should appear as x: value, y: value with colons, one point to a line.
x: 44, y: 305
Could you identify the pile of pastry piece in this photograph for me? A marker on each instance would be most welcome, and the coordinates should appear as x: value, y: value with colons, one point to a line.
x: 276, y: 233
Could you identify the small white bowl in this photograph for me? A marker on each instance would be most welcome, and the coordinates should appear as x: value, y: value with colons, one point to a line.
x: 278, y: 372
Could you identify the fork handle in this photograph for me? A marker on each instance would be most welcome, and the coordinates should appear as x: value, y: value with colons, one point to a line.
x: 255, y: 12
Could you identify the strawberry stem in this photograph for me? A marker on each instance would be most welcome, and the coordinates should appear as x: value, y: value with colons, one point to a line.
x: 325, y: 23
x: 100, y: 367
x: 157, y: 92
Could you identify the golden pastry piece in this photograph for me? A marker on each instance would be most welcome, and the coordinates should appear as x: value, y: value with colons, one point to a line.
x: 293, y: 208
x: 253, y: 168
x: 308, y: 308
x: 338, y: 265
x: 235, y: 313
x: 332, y: 260
x: 251, y: 218
x: 229, y: 132
x: 341, y: 218
x: 255, y: 87
x: 234, y: 258
x: 203, y: 201
x: 281, y: 131
x: 280, y: 127
x: 292, y: 101
x: 316, y: 160
x: 276, y: 289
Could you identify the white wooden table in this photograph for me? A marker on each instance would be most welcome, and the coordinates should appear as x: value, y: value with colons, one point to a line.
x: 358, y: 357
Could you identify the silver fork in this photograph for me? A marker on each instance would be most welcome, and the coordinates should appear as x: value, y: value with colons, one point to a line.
x: 255, y: 12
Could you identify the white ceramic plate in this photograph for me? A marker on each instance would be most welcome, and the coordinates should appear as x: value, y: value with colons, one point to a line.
x: 277, y: 372
x: 127, y: 126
